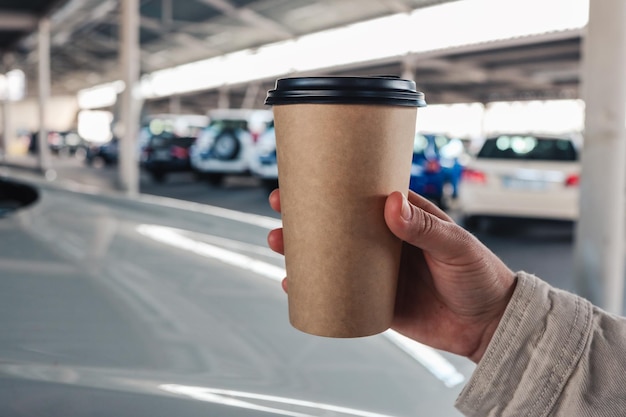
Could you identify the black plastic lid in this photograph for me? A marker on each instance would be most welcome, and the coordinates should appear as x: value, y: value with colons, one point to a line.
x: 386, y: 90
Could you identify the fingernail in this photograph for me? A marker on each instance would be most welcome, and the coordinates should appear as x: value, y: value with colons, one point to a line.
x: 405, y: 212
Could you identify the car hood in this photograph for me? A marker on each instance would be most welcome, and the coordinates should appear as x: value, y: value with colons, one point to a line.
x: 146, y: 306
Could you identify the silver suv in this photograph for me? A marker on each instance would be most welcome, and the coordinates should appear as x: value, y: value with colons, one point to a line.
x: 226, y: 146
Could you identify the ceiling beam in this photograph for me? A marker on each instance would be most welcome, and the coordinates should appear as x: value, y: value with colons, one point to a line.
x: 17, y: 21
x: 397, y: 6
x: 249, y: 16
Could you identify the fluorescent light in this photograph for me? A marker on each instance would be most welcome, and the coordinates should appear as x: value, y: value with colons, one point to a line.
x: 441, y: 27
x: 100, y: 96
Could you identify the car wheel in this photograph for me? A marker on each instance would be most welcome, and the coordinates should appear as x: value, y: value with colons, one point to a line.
x: 226, y: 147
x: 98, y: 162
x: 215, y: 179
x: 441, y: 202
x: 472, y: 223
x: 80, y: 154
x: 270, y: 184
x: 158, y: 176
x: 197, y: 175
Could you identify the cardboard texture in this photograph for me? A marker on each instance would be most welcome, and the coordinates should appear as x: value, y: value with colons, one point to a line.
x: 337, y: 164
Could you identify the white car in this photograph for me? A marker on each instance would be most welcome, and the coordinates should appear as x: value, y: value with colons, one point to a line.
x: 522, y: 176
x: 226, y: 146
x: 264, y: 165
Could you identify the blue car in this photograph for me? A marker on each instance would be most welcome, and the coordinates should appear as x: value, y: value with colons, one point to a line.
x: 434, y: 166
x: 427, y: 177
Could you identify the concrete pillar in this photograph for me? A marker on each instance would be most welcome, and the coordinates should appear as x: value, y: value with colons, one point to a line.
x: 250, y: 99
x: 175, y: 107
x: 223, y: 98
x: 6, y: 131
x: 408, y: 70
x: 167, y: 13
x: 43, y: 52
x: 600, y: 234
x: 128, y: 169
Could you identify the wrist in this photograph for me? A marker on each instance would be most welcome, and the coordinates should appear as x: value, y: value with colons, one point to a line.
x: 492, y: 325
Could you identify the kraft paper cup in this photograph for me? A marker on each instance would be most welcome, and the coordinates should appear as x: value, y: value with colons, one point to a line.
x: 343, y: 145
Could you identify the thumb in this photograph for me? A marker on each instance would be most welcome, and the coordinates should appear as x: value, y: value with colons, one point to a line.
x: 430, y: 232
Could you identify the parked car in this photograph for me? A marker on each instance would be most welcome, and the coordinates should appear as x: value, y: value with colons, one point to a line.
x: 178, y: 124
x: 522, y: 175
x: 427, y: 175
x: 436, y: 162
x: 166, y: 153
x: 453, y: 156
x: 226, y: 146
x: 64, y: 143
x: 124, y: 306
x: 264, y: 164
x: 103, y: 154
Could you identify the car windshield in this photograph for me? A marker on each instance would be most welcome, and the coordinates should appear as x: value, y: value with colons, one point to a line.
x: 528, y: 147
x: 162, y: 139
x: 184, y: 142
x: 428, y: 145
x: 233, y: 124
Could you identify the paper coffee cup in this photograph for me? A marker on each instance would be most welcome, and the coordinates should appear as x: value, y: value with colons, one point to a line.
x: 343, y: 145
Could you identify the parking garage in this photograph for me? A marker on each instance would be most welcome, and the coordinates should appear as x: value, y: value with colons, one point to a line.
x: 102, y: 69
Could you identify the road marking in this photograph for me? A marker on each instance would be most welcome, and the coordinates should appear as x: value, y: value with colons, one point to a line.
x: 428, y: 357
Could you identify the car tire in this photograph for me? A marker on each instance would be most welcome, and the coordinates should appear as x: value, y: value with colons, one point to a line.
x: 226, y: 146
x: 472, y: 223
x: 215, y: 180
x: 158, y: 176
x: 269, y: 184
x: 98, y: 162
x: 198, y: 175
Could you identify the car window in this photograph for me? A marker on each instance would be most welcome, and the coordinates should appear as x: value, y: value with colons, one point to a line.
x: 184, y: 142
x: 231, y: 124
x: 426, y: 145
x: 420, y: 143
x: 159, y: 141
x: 528, y: 147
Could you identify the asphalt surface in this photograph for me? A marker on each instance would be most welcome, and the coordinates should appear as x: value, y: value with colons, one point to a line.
x: 542, y: 248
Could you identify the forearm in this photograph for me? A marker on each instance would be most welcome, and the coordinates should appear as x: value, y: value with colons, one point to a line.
x: 548, y: 348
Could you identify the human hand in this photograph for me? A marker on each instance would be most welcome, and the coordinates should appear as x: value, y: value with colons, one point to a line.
x: 452, y: 290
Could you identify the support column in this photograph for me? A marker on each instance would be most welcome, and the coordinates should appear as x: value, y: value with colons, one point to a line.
x: 408, y: 70
x: 252, y: 92
x: 43, y: 51
x: 600, y: 234
x: 6, y: 131
x: 175, y: 106
x: 223, y: 98
x: 128, y: 169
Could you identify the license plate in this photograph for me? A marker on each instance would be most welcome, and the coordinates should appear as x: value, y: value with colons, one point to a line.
x: 161, y: 155
x: 523, y: 184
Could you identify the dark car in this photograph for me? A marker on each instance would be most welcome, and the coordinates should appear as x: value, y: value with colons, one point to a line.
x: 66, y: 143
x: 120, y: 306
x: 103, y: 154
x: 166, y: 153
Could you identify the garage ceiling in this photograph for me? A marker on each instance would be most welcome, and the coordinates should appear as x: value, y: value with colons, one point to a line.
x: 85, y: 41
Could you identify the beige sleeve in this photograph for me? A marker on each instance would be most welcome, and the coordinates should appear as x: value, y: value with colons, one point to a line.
x: 553, y: 354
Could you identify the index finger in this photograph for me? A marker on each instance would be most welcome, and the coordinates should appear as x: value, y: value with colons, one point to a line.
x: 274, y: 199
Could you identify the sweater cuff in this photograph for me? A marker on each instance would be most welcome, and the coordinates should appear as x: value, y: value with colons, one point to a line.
x: 532, y: 354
